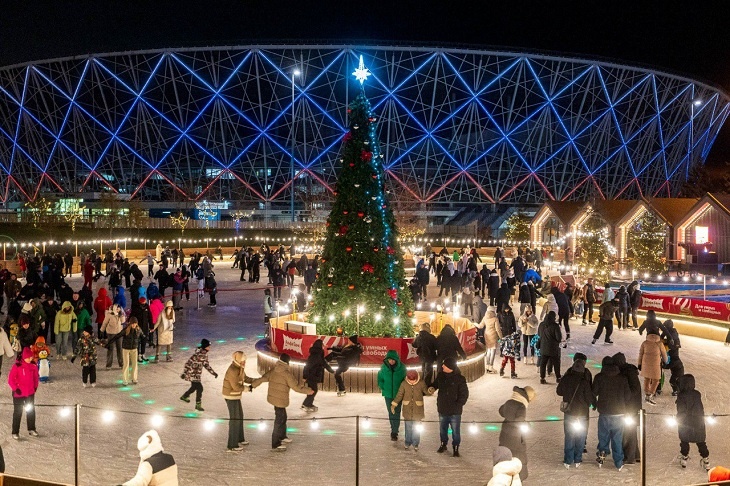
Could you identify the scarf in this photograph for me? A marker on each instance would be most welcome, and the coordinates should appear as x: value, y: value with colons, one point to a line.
x: 519, y: 398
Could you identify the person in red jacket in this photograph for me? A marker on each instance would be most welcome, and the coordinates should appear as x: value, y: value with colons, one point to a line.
x: 23, y: 380
x: 101, y: 304
x: 88, y: 273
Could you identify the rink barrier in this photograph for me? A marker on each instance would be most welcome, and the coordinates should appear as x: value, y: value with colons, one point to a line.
x: 209, y: 424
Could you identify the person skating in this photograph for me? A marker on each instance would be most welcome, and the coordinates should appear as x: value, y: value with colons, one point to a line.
x: 492, y: 335
x: 235, y: 383
x: 391, y: 375
x: 86, y: 350
x: 575, y: 389
x: 550, y: 338
x: 670, y: 337
x: 506, y: 470
x: 23, y: 380
x: 528, y: 327
x: 612, y: 393
x: 510, y: 352
x: 691, y: 422
x: 129, y: 338
x: 630, y: 440
x: 514, y: 412
x: 313, y: 373
x: 112, y: 325
x: 346, y: 356
x: 453, y: 395
x: 410, y: 398
x: 605, y: 321
x: 165, y: 327
x: 651, y: 357
x: 193, y: 373
x: 280, y: 380
x: 425, y: 344
x: 448, y: 346
x: 589, y: 297
x: 64, y: 326
x: 156, y: 467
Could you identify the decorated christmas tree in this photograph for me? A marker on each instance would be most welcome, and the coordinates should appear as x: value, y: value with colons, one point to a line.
x: 361, y: 286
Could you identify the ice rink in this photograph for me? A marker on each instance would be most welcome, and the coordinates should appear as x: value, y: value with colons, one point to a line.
x: 324, y: 452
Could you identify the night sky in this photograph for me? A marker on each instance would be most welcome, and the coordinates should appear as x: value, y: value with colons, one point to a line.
x: 690, y: 37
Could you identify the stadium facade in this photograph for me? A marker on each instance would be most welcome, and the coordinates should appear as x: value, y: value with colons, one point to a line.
x: 456, y: 125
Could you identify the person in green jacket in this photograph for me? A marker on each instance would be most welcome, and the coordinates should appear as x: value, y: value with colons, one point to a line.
x: 390, y: 376
x: 63, y: 326
x: 83, y: 320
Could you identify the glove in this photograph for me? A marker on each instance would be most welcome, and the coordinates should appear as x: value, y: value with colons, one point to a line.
x: 182, y: 376
x: 392, y: 408
x: 17, y: 391
x: 73, y: 358
x: 639, y: 367
x: 215, y: 375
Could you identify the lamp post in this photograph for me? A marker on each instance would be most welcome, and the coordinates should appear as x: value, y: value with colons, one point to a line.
x: 293, y: 172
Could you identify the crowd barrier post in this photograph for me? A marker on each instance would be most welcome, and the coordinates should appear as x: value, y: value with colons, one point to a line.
x: 357, y: 450
x: 77, y: 443
x: 642, y: 444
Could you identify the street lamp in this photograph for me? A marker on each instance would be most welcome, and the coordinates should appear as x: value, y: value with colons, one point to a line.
x: 294, y: 73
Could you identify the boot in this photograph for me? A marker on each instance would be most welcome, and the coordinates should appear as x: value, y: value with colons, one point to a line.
x: 501, y: 372
x: 514, y: 376
x: 442, y: 448
x: 456, y: 451
x: 199, y: 407
x: 185, y: 399
x: 169, y: 357
x: 600, y: 458
x: 705, y: 463
x: 683, y: 460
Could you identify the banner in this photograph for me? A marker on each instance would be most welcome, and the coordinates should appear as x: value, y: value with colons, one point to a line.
x: 374, y: 348
x: 686, y: 307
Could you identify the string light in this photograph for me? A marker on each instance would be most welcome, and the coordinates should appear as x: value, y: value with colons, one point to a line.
x: 64, y: 412
x: 473, y: 428
x: 107, y: 416
x: 420, y: 427
x: 576, y: 425
x: 209, y: 425
x: 156, y: 420
x: 629, y: 420
x: 314, y: 425
x: 365, y: 423
x: 671, y: 421
x: 262, y: 424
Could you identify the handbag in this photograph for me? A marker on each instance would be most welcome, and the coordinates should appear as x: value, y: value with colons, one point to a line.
x: 565, y: 406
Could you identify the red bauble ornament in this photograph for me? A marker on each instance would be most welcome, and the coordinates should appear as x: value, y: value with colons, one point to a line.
x: 399, y: 302
x: 348, y: 249
x: 375, y: 176
x: 384, y: 206
x: 360, y: 214
x: 366, y: 156
x: 393, y: 293
x: 329, y: 284
x: 352, y: 164
x: 390, y: 250
x: 343, y: 230
x: 376, y: 249
x: 368, y: 267
x: 351, y: 286
x: 345, y: 212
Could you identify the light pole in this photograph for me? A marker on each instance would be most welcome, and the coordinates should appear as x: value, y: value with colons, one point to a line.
x: 293, y: 172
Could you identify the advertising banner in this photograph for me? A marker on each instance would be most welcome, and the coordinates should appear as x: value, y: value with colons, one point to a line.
x: 687, y: 307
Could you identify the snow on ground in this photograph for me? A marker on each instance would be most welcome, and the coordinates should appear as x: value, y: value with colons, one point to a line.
x: 326, y: 455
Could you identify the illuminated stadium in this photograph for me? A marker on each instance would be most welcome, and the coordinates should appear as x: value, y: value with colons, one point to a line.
x: 456, y: 125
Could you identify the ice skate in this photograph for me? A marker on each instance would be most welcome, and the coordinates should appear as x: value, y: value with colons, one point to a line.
x: 513, y: 376
x: 705, y: 463
x: 501, y: 372
x: 683, y: 461
x: 341, y: 393
x: 601, y: 458
x: 442, y: 448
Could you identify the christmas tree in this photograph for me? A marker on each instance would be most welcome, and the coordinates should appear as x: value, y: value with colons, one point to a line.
x: 647, y: 243
x: 361, y: 286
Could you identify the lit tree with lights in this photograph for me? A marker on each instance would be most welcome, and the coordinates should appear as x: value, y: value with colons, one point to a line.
x: 518, y: 226
x: 647, y: 243
x: 595, y: 247
x: 361, y: 287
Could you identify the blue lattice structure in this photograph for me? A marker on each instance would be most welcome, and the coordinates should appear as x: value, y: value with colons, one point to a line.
x: 456, y: 126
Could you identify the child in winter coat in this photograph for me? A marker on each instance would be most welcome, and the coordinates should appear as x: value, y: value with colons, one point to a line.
x: 23, y: 380
x: 510, y: 351
x: 506, y: 470
x: 410, y: 395
x: 691, y: 421
x: 86, y: 349
x: 193, y: 373
x: 313, y: 373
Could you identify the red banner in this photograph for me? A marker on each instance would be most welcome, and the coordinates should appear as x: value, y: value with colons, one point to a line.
x: 686, y: 307
x: 374, y: 348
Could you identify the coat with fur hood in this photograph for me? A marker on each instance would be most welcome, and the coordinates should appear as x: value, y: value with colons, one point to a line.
x: 114, y: 321
x: 651, y: 356
x: 492, y: 330
x: 235, y: 378
x: 411, y: 394
x: 506, y: 473
x: 156, y: 467
x: 280, y: 382
x: 690, y: 411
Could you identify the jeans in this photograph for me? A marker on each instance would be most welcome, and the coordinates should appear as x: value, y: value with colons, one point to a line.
x: 279, y: 432
x: 195, y: 386
x: 611, y: 432
x: 110, y: 353
x: 526, y: 344
x: 588, y: 311
x: 427, y: 371
x: 633, y: 316
x: 129, y: 360
x: 61, y: 340
x: 88, y: 372
x: 393, y: 417
x: 413, y: 436
x: 623, y: 318
x: 309, y: 399
x: 455, y: 422
x: 491, y: 354
x: 604, y: 324
x: 575, y: 440
x: 18, y: 407
x: 235, y: 423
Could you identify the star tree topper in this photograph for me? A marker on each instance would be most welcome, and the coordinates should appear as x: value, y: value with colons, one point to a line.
x: 361, y: 73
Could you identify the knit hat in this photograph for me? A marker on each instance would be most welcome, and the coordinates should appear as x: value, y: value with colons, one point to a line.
x: 412, y: 375
x: 354, y: 338
x: 426, y: 327
x: 27, y: 353
x: 204, y: 343
x: 168, y: 303
x: 580, y: 356
x: 285, y: 358
x: 450, y: 363
x: 501, y: 454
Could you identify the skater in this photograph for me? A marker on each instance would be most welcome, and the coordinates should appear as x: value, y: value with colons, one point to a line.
x: 63, y: 327
x: 113, y: 325
x: 410, y: 397
x: 612, y: 393
x: 510, y: 352
x: 268, y: 309
x: 453, y: 395
x: 102, y: 303
x: 550, y: 338
x: 391, y: 375
x: 589, y: 297
x: 280, y: 381
x: 651, y: 357
x: 514, y: 412
x: 448, y: 346
x: 506, y: 470
x: 193, y: 373
x: 130, y: 342
x: 313, y: 373
x: 691, y: 421
x: 605, y: 321
x: 234, y: 384
x: 155, y: 465
x: 492, y: 335
x: 23, y: 381
x: 528, y: 327
x: 634, y: 291
x: 630, y: 441
x: 575, y: 388
x: 346, y: 356
x: 671, y: 340
x: 652, y: 325
x: 624, y: 307
x: 165, y: 327
x: 86, y: 349
x: 425, y: 344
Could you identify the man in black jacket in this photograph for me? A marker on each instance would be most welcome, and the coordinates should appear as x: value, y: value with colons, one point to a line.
x: 563, y: 310
x: 447, y: 346
x: 425, y: 344
x: 589, y: 293
x: 671, y: 337
x: 346, y: 356
x: 611, y: 392
x: 575, y: 388
x: 630, y: 440
x: 550, y: 338
x: 453, y: 394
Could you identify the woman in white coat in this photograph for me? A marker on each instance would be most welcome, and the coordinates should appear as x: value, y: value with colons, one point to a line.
x: 165, y: 326
x: 6, y: 349
x: 492, y: 334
